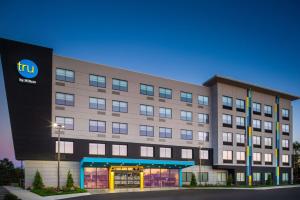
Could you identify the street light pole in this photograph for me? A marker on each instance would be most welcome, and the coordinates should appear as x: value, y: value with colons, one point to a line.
x: 58, y: 127
x: 200, y: 147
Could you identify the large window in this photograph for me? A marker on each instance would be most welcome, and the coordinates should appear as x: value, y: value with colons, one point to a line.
x: 64, y: 99
x: 96, y: 149
x: 227, y: 137
x: 256, y: 108
x: 119, y: 106
x: 256, y: 177
x: 121, y: 85
x: 221, y: 177
x: 240, y: 156
x: 203, y: 177
x: 186, y: 97
x: 240, y: 122
x: 146, y: 131
x: 227, y: 101
x: 119, y: 128
x: 257, y: 157
x: 64, y: 147
x: 268, y: 126
x: 285, y: 144
x: 285, y: 128
x: 186, y: 115
x: 203, y: 118
x: 204, y: 154
x: 268, y: 157
x: 67, y: 122
x: 119, y: 150
x: 65, y: 75
x: 146, y: 110
x: 285, y: 177
x: 165, y: 112
x: 147, y: 89
x: 97, y: 81
x: 165, y: 152
x: 256, y: 125
x: 285, y: 159
x: 240, y: 104
x: 165, y: 93
x: 227, y: 155
x: 186, y: 176
x: 203, y: 136
x: 240, y: 177
x: 97, y: 126
x: 186, y: 134
x: 285, y: 113
x: 96, y: 103
x: 268, y: 142
x: 256, y: 140
x: 187, y: 153
x: 227, y: 120
x: 203, y: 100
x: 146, y: 151
x: 165, y: 132
x: 240, y: 138
x: 268, y: 110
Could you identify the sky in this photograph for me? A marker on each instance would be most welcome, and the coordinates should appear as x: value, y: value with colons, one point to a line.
x: 255, y: 41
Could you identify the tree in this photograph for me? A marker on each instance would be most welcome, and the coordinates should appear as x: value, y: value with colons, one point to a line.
x: 269, y: 180
x: 229, y: 180
x: 296, y: 162
x: 6, y: 172
x: 38, y: 181
x: 193, y: 182
x: 296, y: 147
x: 70, y: 181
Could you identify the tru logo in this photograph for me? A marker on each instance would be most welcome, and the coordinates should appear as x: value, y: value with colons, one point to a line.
x: 27, y: 68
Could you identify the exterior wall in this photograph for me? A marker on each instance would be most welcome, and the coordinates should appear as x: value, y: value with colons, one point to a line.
x: 48, y: 171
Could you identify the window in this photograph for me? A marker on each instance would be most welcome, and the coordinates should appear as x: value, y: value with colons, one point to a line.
x: 96, y: 103
x: 146, y: 151
x: 268, y: 157
x: 119, y: 85
x: 96, y: 149
x: 221, y: 177
x: 97, y: 126
x: 268, y: 141
x: 203, y: 177
x: 256, y: 140
x: 165, y: 93
x: 285, y: 159
x: 240, y: 122
x: 65, y: 75
x: 186, y: 134
x: 227, y: 155
x: 285, y: 144
x: 203, y: 136
x: 285, y: 114
x: 285, y: 177
x: 119, y: 150
x: 147, y: 89
x: 64, y: 99
x: 165, y: 132
x: 204, y: 154
x: 240, y: 177
x: 146, y: 131
x: 187, y: 153
x: 186, y: 115
x: 227, y: 137
x: 97, y: 81
x: 240, y: 138
x: 186, y: 176
x: 165, y: 152
x: 119, y: 106
x: 64, y: 147
x: 257, y: 157
x: 256, y: 177
x: 203, y: 118
x: 240, y: 105
x: 203, y: 100
x: 146, y: 110
x: 267, y: 175
x: 268, y: 110
x: 67, y: 122
x: 227, y: 101
x: 119, y: 128
x: 285, y: 128
x: 256, y: 125
x: 256, y: 108
x: 165, y: 112
x: 186, y: 97
x: 268, y: 126
x: 227, y: 120
x: 240, y: 156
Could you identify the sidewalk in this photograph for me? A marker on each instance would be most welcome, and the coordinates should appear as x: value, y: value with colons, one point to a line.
x: 247, y: 188
x: 27, y: 195
x: 3, y: 192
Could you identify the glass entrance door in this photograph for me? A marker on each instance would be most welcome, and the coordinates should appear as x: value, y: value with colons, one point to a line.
x: 127, y: 177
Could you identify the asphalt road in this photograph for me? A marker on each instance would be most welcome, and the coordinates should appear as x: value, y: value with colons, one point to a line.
x: 277, y: 194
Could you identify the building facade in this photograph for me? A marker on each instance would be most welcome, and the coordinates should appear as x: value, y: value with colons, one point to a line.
x: 128, y: 129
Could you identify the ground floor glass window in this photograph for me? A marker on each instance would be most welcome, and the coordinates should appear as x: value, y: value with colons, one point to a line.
x: 161, y: 177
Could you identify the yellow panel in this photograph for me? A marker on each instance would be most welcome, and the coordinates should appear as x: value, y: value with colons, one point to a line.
x: 250, y: 180
x: 142, y: 180
x: 111, y: 181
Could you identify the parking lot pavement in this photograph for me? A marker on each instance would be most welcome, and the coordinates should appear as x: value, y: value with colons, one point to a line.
x: 3, y: 192
x: 278, y: 194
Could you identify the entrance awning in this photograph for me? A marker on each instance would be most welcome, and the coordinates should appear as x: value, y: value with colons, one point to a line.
x: 146, y: 163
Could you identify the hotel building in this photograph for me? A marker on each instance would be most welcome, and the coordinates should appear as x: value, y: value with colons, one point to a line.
x: 120, y: 128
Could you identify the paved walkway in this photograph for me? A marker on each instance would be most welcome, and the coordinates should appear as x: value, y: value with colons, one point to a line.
x: 3, y: 192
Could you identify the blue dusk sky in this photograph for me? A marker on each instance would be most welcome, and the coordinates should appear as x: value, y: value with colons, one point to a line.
x: 255, y: 41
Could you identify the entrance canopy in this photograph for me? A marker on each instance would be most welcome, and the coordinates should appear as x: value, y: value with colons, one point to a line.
x: 146, y: 163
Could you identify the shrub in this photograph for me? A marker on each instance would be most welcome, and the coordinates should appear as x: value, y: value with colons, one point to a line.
x: 10, y: 197
x: 269, y: 180
x: 193, y: 182
x: 70, y: 181
x: 38, y: 181
x: 229, y: 180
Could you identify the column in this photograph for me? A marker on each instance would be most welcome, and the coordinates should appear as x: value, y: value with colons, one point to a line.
x: 142, y: 181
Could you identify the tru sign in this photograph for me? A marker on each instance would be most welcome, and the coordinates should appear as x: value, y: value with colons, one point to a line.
x: 27, y: 69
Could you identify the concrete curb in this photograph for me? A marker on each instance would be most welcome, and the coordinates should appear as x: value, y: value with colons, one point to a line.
x: 245, y: 188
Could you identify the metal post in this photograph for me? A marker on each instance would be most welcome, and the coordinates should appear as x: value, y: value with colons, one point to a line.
x: 200, y: 148
x: 59, y: 128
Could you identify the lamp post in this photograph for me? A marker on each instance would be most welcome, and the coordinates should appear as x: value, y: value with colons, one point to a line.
x: 200, y: 147
x: 59, y: 129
